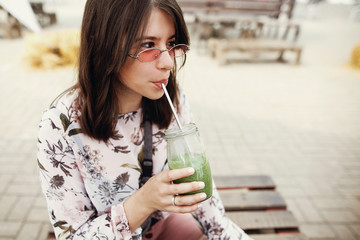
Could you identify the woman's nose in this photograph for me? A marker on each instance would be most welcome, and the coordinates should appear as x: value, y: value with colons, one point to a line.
x: 165, y: 61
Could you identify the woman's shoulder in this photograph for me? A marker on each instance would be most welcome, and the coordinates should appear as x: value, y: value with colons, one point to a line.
x: 66, y: 100
x: 65, y: 105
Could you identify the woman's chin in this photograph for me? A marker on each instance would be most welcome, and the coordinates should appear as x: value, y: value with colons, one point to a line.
x: 155, y: 96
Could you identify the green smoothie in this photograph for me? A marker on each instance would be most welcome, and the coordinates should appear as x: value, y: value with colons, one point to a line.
x: 202, y: 171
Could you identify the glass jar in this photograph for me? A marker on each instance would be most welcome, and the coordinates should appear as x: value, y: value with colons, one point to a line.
x: 184, y: 149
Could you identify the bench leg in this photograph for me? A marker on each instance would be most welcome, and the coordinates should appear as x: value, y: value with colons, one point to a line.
x: 221, y: 56
x: 53, y: 18
x: 298, y: 56
x: 212, y: 46
x: 13, y: 31
x: 296, y: 51
x: 281, y: 56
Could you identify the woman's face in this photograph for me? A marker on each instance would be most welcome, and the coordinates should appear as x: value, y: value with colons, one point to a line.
x: 145, y: 78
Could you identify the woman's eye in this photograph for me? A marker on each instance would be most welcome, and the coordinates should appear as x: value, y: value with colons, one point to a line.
x: 171, y: 44
x: 148, y: 45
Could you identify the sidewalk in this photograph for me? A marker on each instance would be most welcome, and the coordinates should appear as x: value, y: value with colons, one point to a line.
x: 298, y: 124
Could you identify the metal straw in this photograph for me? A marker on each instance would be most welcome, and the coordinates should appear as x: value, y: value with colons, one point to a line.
x: 171, y: 105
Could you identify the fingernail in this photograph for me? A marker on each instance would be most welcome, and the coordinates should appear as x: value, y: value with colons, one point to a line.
x: 199, y: 205
x: 201, y: 185
x: 191, y: 170
x: 203, y: 195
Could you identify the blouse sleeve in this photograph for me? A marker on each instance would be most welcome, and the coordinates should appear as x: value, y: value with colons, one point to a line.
x: 71, y: 211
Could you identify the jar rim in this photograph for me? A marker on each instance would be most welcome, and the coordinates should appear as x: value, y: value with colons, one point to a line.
x: 177, y: 132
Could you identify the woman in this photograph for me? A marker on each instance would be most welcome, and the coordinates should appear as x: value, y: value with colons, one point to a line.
x: 91, y: 139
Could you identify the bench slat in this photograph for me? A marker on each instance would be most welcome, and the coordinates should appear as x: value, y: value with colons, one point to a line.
x: 258, y: 220
x: 219, y: 48
x: 240, y: 200
x: 272, y: 8
x: 297, y: 236
x: 250, y: 181
x: 258, y: 44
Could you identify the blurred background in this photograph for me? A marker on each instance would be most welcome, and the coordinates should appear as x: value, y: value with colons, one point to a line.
x: 274, y: 89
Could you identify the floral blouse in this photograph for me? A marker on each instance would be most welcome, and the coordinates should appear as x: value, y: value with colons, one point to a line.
x: 86, y: 181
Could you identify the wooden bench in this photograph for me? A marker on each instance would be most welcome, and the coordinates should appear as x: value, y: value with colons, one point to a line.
x: 9, y: 25
x: 256, y: 37
x: 253, y: 203
x: 44, y: 18
x: 252, y: 19
x: 270, y: 8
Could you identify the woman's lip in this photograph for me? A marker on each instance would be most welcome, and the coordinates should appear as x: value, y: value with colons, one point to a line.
x: 158, y: 84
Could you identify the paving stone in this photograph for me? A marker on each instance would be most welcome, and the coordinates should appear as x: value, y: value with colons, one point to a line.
x: 11, y: 159
x: 7, y: 203
x: 284, y: 181
x: 291, y: 192
x: 30, y: 231
x: 247, y: 167
x: 317, y: 231
x: 310, y: 189
x: 21, y: 208
x: 344, y: 232
x: 23, y: 189
x: 38, y: 215
x: 292, y: 206
x: 32, y: 169
x: 354, y: 205
x: 356, y: 229
x: 45, y: 229
x: 349, y: 190
x: 309, y: 211
x: 40, y: 202
x: 326, y: 189
x: 348, y: 181
x: 9, y: 228
x: 330, y: 203
x: 27, y: 178
x: 339, y: 216
x: 5, y: 179
x: 9, y: 168
x: 351, y: 162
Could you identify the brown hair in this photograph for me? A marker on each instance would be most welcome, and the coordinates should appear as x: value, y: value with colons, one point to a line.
x: 109, y: 29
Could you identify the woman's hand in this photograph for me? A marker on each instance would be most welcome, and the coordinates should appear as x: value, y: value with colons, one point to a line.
x: 157, y: 194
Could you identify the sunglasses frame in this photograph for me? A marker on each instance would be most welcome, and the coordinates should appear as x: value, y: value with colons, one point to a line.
x: 161, y: 51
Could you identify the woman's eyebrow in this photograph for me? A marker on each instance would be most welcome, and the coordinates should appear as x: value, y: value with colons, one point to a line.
x: 171, y: 37
x: 153, y: 38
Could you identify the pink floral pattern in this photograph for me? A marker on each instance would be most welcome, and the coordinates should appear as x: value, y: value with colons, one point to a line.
x: 85, y: 181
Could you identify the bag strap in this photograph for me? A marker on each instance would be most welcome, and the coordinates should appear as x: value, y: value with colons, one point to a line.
x: 147, y: 167
x: 147, y: 164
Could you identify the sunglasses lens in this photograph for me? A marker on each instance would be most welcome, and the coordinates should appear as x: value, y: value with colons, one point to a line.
x: 149, y: 55
x: 179, y: 50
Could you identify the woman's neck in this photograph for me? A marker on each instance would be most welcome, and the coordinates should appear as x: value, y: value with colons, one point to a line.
x: 129, y: 102
x: 128, y: 108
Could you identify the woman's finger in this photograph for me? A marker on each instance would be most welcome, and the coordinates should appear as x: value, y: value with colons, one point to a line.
x: 187, y: 200
x: 185, y: 208
x: 186, y: 187
x: 171, y: 175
